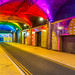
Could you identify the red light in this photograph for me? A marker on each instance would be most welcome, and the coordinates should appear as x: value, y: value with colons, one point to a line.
x: 44, y: 27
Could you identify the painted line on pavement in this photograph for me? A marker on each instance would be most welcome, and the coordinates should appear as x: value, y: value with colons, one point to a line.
x: 55, y: 61
x: 13, y: 63
x: 20, y: 67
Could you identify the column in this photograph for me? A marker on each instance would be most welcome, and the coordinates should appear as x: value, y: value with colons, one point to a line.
x: 20, y: 36
x: 24, y: 38
x: 16, y: 36
x: 49, y: 35
x: 13, y: 37
x: 30, y: 37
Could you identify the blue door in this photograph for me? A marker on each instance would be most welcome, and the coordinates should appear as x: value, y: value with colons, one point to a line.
x: 1, y: 39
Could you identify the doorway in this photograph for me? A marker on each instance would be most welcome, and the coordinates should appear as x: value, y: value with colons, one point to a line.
x: 1, y: 39
x: 39, y: 39
x: 68, y: 44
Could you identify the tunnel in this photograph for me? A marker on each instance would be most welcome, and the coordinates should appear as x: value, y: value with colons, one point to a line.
x: 36, y: 22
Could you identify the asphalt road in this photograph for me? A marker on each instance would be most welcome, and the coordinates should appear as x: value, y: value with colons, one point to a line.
x: 35, y: 64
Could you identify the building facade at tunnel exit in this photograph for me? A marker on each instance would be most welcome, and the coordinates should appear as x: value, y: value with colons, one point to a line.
x: 43, y: 23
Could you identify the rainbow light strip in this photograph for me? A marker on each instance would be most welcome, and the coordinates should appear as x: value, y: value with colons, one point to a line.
x: 12, y: 24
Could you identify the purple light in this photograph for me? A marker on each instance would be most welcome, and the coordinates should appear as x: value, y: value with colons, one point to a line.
x: 51, y: 20
x: 43, y: 4
x: 47, y: 11
x: 4, y: 1
x: 36, y: 29
x: 70, y: 27
x: 71, y: 24
x: 70, y: 30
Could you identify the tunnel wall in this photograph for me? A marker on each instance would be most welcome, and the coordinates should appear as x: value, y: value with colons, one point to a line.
x: 43, y: 30
x: 65, y: 27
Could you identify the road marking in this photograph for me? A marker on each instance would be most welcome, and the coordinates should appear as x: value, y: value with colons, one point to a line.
x: 47, y: 58
x: 17, y: 63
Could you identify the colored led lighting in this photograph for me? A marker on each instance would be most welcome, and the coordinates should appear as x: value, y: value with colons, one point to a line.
x: 71, y: 24
x: 11, y: 24
x: 70, y: 27
x: 7, y: 28
x: 73, y: 19
x: 47, y: 11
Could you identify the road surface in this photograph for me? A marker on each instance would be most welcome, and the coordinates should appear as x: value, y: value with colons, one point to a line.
x: 36, y: 64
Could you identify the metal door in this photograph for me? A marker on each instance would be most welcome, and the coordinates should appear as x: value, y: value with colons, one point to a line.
x: 68, y: 44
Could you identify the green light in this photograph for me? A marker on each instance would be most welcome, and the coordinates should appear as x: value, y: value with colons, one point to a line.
x: 9, y: 23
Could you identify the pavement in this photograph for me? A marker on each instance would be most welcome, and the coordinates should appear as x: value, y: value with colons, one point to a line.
x: 7, y: 66
x: 63, y: 58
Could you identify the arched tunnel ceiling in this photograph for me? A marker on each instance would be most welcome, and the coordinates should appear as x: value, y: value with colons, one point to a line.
x: 7, y: 28
x: 28, y: 10
x: 10, y: 27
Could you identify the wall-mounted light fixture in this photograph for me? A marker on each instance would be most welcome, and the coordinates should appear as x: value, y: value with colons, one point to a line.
x: 41, y: 19
x: 24, y: 25
x: 60, y: 28
x: 16, y: 28
x: 10, y: 31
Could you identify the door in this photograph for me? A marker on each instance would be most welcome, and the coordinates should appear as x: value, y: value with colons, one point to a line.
x: 38, y: 38
x: 68, y: 44
x: 1, y: 39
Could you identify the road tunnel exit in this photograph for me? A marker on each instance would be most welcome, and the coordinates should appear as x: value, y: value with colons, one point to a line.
x: 5, y: 37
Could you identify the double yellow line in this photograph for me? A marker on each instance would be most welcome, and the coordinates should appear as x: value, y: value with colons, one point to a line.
x: 17, y: 63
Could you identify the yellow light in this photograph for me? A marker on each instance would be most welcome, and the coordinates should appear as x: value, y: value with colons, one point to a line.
x: 24, y: 25
x: 44, y: 30
x: 60, y: 28
x: 16, y: 28
x: 33, y: 32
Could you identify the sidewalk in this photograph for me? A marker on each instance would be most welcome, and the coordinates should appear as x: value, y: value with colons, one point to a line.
x: 60, y: 57
x: 7, y: 67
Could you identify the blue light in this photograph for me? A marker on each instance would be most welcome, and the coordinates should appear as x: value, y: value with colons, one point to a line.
x: 7, y: 28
